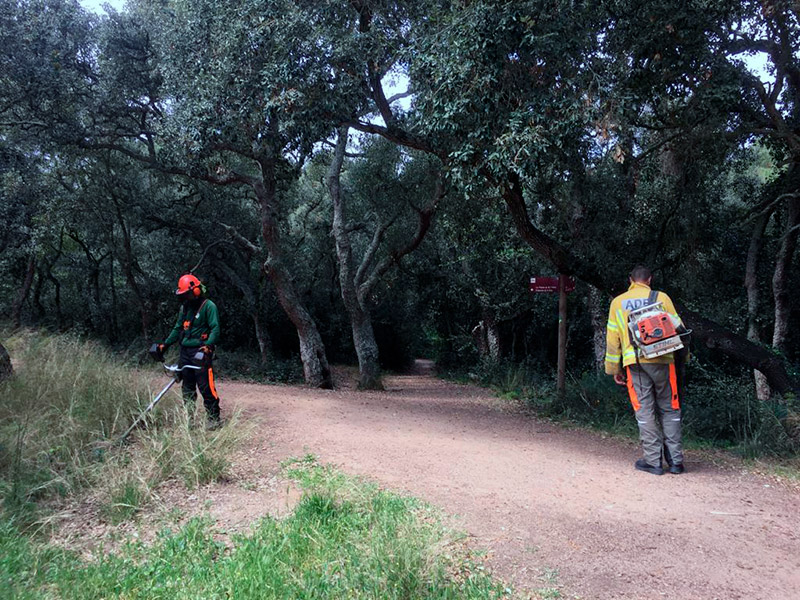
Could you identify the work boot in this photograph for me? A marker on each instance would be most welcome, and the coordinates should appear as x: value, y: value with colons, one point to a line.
x: 676, y: 469
x: 641, y: 465
x: 213, y: 424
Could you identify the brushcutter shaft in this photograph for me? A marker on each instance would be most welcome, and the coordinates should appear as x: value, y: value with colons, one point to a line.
x: 147, y: 410
x: 175, y: 371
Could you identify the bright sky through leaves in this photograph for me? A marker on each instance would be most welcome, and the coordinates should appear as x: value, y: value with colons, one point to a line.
x: 97, y: 5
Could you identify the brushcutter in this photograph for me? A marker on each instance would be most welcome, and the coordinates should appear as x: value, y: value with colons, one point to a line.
x: 174, y: 371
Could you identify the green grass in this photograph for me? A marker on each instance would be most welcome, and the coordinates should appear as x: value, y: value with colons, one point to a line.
x: 345, y: 539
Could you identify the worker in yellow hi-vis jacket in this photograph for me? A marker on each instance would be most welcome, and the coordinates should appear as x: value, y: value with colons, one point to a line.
x: 652, y: 382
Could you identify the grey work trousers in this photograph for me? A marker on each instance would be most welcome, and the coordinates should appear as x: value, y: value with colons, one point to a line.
x: 653, y: 390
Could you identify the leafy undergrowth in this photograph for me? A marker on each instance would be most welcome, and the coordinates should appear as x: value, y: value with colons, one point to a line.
x: 345, y: 539
x: 62, y: 415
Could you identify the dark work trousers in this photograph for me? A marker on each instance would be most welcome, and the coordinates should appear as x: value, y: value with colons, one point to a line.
x: 203, y: 380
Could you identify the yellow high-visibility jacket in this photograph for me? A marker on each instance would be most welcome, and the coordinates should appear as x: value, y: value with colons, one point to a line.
x: 620, y: 352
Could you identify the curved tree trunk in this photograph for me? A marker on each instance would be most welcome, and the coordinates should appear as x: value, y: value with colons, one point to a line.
x: 363, y: 335
x: 751, y: 285
x: 312, y: 351
x: 24, y: 290
x: 6, y: 369
x: 128, y: 265
x: 262, y: 337
x: 780, y: 278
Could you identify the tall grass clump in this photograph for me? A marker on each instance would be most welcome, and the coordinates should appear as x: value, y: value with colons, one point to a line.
x: 172, y: 448
x: 66, y: 396
x: 63, y: 412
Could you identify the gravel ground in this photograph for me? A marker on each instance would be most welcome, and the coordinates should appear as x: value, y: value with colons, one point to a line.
x: 555, y: 507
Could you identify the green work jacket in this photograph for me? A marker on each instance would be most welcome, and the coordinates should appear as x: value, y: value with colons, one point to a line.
x: 202, y: 331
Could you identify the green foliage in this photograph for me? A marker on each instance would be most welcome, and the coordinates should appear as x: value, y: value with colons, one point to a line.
x: 724, y: 409
x: 346, y: 538
x: 247, y: 366
x: 718, y: 409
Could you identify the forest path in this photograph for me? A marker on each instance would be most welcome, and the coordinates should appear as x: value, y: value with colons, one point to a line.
x: 555, y: 507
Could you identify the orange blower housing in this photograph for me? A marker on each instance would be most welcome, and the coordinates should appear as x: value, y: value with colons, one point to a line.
x: 656, y: 328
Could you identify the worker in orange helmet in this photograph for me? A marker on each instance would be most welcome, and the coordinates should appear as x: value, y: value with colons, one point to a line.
x: 197, y: 332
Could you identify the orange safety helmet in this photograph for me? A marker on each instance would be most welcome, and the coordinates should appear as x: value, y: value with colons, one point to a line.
x: 189, y: 284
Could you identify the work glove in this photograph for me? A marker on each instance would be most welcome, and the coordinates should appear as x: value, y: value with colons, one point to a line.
x: 156, y: 352
x: 208, y: 355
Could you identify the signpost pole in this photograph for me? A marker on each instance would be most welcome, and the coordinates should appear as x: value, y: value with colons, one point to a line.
x: 561, y: 284
x: 562, y: 336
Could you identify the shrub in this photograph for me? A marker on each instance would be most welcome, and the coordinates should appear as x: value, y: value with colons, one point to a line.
x: 248, y: 366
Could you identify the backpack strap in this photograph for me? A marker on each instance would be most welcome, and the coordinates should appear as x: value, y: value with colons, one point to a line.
x: 187, y: 323
x: 653, y: 297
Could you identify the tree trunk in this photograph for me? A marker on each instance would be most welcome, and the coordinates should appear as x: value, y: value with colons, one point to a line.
x: 37, y: 294
x: 781, y: 276
x: 92, y: 296
x: 128, y: 265
x: 705, y: 331
x: 369, y: 371
x: 24, y: 290
x: 751, y: 285
x: 363, y: 335
x: 492, y: 336
x: 6, y: 369
x: 57, y: 298
x: 262, y: 337
x: 491, y: 333
x: 312, y: 351
x: 599, y: 317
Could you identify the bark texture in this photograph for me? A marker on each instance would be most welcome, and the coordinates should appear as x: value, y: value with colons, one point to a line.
x: 753, y: 297
x: 599, y: 316
x: 780, y: 278
x: 360, y: 321
x: 6, y: 369
x: 24, y: 290
x: 316, y: 371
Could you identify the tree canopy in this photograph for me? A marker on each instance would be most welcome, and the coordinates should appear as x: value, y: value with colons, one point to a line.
x: 373, y: 180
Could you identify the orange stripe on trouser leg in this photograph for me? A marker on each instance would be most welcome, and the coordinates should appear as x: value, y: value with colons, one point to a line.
x: 632, y: 391
x: 211, y: 383
x: 673, y: 384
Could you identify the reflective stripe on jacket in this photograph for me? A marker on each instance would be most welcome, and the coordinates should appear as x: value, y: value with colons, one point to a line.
x: 620, y: 352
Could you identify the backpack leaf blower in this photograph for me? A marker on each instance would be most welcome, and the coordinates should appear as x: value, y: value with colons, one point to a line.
x: 653, y: 331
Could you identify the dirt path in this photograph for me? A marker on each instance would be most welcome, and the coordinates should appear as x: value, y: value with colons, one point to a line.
x: 553, y: 506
